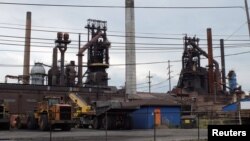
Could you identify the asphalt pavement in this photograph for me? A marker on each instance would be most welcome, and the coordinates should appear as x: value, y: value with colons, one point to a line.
x: 103, y: 135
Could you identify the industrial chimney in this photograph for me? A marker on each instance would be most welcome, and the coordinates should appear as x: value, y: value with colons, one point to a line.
x: 130, y: 48
x: 26, y: 61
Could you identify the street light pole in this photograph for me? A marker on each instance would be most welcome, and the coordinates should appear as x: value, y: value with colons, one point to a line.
x: 169, y: 75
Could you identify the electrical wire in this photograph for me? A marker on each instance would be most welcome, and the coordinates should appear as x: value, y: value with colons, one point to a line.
x: 111, y: 35
x: 159, y: 83
x: 53, y: 31
x: 145, y: 63
x: 236, y: 31
x: 141, y: 83
x: 122, y: 32
x: 120, y: 36
x: 138, y: 7
x: 121, y: 48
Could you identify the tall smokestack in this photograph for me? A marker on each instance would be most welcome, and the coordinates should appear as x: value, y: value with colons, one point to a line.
x: 26, y: 61
x: 54, y: 67
x: 210, y: 61
x: 130, y: 48
x: 223, y: 67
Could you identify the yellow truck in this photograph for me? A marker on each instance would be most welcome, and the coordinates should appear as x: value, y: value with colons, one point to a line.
x: 50, y: 113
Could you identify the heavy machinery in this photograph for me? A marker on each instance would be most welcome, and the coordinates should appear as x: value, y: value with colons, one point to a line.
x: 83, y: 113
x: 49, y: 114
x: 4, y: 117
x: 103, y: 114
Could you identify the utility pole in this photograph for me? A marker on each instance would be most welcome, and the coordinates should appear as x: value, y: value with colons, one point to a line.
x: 248, y: 19
x: 169, y: 75
x: 149, y: 82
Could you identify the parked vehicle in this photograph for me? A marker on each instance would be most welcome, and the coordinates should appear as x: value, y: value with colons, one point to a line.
x: 102, y: 114
x: 49, y: 114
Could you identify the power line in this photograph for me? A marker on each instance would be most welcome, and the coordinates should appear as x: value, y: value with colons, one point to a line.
x: 43, y: 30
x: 41, y: 51
x: 121, y: 48
x: 159, y: 87
x: 152, y: 85
x: 159, y: 83
x: 123, y: 36
x: 111, y: 35
x: 152, y: 49
x: 21, y: 37
x: 141, y: 83
x: 120, y: 36
x: 39, y: 26
x: 235, y: 31
x: 145, y: 63
x: 123, y: 32
x: 119, y: 43
x: 175, y: 61
x: 111, y: 31
x: 18, y: 41
x: 114, y: 48
x: 34, y: 51
x: 138, y: 7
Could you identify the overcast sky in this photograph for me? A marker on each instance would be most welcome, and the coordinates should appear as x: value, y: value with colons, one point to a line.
x: 226, y: 23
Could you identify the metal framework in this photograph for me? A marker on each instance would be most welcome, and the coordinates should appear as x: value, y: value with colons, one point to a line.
x: 193, y: 76
x: 98, y: 55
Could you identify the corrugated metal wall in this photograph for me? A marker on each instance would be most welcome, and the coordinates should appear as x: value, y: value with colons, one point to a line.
x: 23, y: 98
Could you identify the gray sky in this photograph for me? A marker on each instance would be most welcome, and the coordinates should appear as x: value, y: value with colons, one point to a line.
x: 228, y: 24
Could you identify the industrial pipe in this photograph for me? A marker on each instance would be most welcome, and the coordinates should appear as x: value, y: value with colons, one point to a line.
x: 54, y: 68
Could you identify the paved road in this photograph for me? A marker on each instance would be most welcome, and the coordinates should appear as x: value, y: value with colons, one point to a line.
x: 102, y: 135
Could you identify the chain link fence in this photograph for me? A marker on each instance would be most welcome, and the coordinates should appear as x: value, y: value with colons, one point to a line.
x: 144, y: 126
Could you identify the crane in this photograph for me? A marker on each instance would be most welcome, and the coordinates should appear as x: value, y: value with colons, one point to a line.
x: 82, y: 111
